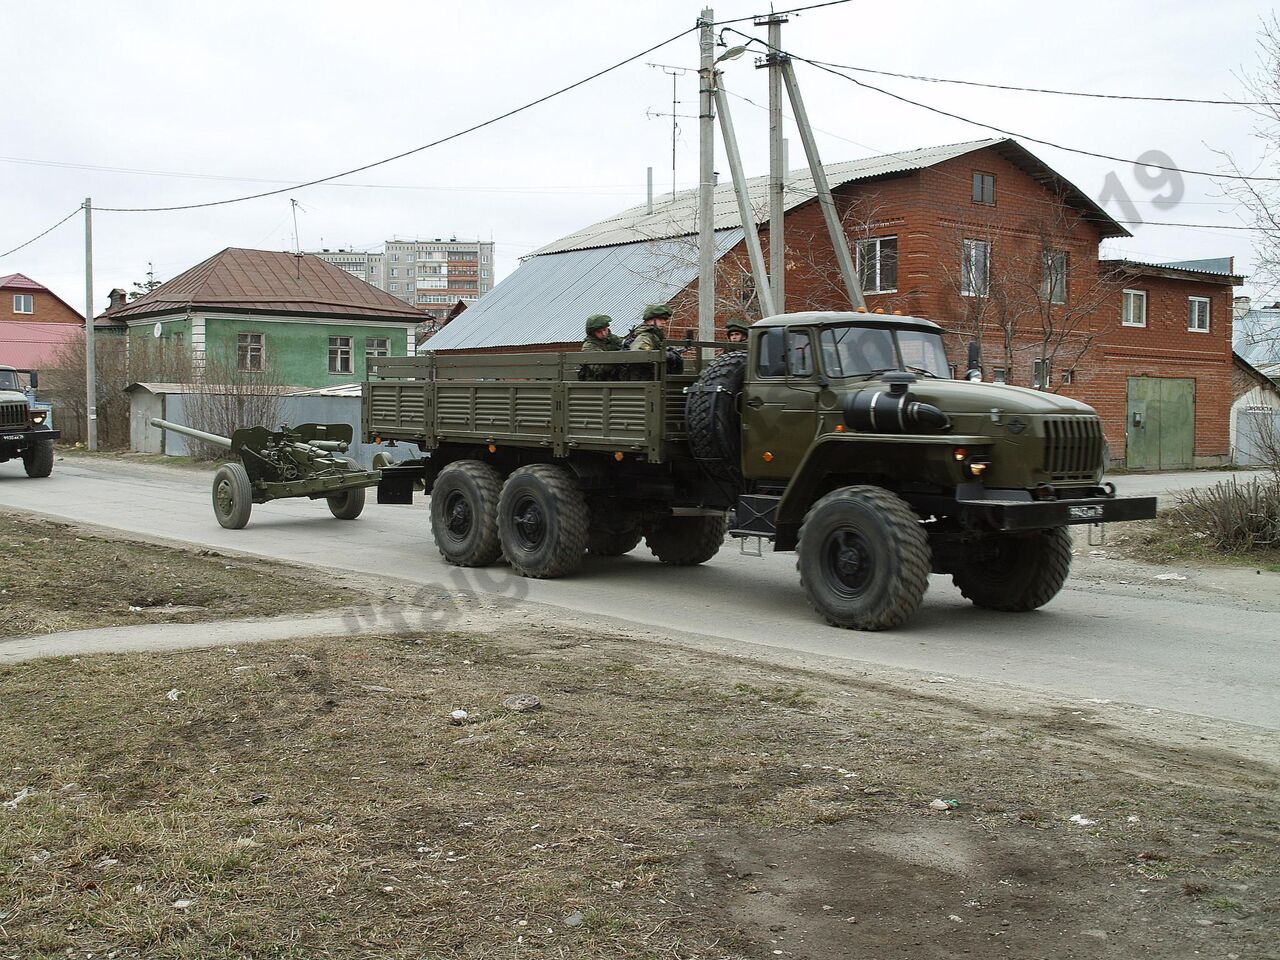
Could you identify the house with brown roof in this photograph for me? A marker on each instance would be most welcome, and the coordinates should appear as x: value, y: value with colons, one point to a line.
x: 305, y: 321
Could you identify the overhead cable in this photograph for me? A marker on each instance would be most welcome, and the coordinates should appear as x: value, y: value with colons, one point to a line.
x: 43, y: 232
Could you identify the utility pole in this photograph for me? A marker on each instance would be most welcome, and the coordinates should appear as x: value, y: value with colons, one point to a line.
x: 706, y: 175
x: 839, y: 241
x: 751, y: 235
x: 90, y: 370
x: 777, y: 165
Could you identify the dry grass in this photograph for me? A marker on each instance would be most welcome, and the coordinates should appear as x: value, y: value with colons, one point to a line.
x: 313, y: 800
x: 58, y: 578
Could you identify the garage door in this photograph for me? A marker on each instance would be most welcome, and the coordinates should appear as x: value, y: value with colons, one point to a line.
x: 1160, y: 433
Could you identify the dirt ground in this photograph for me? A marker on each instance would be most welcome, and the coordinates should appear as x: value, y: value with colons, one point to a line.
x: 58, y: 577
x: 315, y: 800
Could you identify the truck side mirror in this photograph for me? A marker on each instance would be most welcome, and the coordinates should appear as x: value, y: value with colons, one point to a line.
x: 974, y: 373
x: 35, y: 380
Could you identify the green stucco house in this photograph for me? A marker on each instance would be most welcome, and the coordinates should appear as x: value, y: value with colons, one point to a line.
x: 303, y: 321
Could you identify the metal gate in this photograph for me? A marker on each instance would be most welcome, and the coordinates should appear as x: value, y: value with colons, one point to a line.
x: 1257, y: 436
x: 1160, y: 432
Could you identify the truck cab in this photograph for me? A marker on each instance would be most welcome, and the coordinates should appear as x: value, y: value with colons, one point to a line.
x: 26, y: 431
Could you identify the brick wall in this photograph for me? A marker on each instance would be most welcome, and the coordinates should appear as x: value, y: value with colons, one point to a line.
x: 46, y: 308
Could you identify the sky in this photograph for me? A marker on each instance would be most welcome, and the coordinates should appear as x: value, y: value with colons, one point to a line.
x: 146, y: 104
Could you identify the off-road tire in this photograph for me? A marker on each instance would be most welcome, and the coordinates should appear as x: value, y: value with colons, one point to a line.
x: 543, y: 521
x: 686, y: 541
x: 713, y: 419
x: 232, y: 496
x: 863, y: 559
x: 464, y: 513
x: 37, y: 459
x: 1027, y: 572
x: 347, y: 505
x: 612, y: 540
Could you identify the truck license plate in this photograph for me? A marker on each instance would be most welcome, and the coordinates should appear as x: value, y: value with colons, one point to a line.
x: 1088, y: 512
x: 13, y: 436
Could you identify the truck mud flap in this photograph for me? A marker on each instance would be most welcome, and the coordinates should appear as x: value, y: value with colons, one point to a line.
x: 1039, y: 514
x: 397, y: 482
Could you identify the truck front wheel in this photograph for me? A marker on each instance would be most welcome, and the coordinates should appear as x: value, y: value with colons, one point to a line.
x: 464, y: 513
x: 37, y: 460
x: 863, y: 559
x: 1016, y: 572
x: 543, y: 521
x: 686, y: 541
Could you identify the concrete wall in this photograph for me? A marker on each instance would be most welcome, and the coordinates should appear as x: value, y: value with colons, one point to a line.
x: 147, y: 438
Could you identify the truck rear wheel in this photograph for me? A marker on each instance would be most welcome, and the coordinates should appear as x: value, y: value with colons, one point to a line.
x: 863, y: 558
x: 713, y: 419
x: 687, y: 541
x: 37, y: 459
x: 464, y: 513
x: 606, y: 539
x: 543, y: 521
x: 1019, y: 572
x: 232, y: 496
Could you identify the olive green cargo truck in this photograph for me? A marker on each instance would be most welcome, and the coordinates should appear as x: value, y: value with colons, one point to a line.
x: 839, y: 436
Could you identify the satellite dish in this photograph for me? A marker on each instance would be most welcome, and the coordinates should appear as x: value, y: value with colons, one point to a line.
x: 157, y: 330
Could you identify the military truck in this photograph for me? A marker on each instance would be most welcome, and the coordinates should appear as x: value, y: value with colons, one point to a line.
x: 840, y: 436
x: 25, y: 429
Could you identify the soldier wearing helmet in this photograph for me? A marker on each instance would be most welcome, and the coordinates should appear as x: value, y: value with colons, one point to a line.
x: 735, y: 331
x: 599, y: 339
x: 651, y: 334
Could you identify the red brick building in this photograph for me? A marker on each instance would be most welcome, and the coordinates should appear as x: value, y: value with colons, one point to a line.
x: 27, y: 301
x: 982, y: 237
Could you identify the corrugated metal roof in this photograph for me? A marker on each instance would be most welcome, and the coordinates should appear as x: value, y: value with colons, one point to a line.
x: 270, y: 282
x: 548, y: 298
x: 25, y: 344
x: 1256, y: 337
x: 678, y: 216
x: 20, y: 281
x: 1222, y: 265
x: 1179, y: 266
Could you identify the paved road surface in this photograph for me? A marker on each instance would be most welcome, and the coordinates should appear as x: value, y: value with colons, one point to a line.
x: 1163, y: 646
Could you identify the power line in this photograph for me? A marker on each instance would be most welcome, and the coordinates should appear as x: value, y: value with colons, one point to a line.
x: 42, y: 233
x: 406, y: 153
x: 1059, y: 93
x: 781, y: 13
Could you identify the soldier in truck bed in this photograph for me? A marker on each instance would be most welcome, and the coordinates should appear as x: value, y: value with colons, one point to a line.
x: 651, y: 335
x: 599, y: 339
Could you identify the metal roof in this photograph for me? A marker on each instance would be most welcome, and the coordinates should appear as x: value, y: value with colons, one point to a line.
x: 1222, y: 265
x: 1256, y: 337
x: 27, y: 344
x: 548, y: 298
x: 1179, y: 269
x: 677, y: 215
x: 887, y: 320
x: 267, y: 281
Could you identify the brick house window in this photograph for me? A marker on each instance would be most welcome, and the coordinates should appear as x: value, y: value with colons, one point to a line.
x: 249, y: 351
x: 878, y: 264
x: 984, y: 187
x: 975, y: 268
x: 1198, y: 314
x: 1133, y: 311
x: 1039, y: 373
x: 339, y: 354
x: 1054, y: 286
x: 1068, y: 376
x: 998, y: 375
x: 23, y: 303
x: 377, y: 347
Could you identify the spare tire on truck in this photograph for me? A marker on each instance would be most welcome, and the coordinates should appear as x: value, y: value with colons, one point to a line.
x: 713, y: 418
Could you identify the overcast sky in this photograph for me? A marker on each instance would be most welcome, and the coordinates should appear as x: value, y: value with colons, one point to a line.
x: 189, y: 103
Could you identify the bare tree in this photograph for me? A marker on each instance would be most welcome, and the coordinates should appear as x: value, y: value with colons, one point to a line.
x: 233, y: 392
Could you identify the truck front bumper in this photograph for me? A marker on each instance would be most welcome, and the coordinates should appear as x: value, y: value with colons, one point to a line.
x: 1037, y: 514
x: 15, y: 442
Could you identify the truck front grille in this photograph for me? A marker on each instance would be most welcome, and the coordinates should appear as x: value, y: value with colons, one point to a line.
x: 1072, y: 447
x: 13, y: 415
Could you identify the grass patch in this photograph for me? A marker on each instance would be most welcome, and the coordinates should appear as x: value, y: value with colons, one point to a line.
x: 129, y: 456
x: 313, y: 799
x: 58, y: 578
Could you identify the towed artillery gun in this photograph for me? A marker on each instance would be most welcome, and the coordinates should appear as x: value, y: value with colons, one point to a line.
x: 299, y: 461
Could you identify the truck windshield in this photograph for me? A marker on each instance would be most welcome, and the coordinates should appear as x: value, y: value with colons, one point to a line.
x: 861, y: 351
x: 8, y: 380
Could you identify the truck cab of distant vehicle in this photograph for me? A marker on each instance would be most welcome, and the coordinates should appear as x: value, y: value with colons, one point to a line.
x: 26, y: 430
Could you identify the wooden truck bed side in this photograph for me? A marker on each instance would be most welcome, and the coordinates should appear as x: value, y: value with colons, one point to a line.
x: 529, y: 400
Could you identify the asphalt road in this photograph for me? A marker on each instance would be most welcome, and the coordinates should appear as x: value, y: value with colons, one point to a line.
x: 1161, y: 646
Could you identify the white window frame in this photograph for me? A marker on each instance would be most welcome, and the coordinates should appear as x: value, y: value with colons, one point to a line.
x: 339, y: 350
x: 1052, y: 273
x: 1040, y: 373
x: 24, y: 299
x: 999, y: 375
x: 968, y: 250
x: 1192, y: 304
x: 252, y: 344
x: 384, y: 350
x: 877, y: 242
x: 1127, y: 297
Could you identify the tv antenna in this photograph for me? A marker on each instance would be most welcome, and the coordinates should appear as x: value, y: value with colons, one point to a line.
x: 674, y: 73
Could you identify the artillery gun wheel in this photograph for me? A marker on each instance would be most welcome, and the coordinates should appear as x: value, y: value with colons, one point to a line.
x: 542, y: 521
x: 464, y: 513
x: 1020, y: 572
x: 347, y: 505
x: 37, y: 460
x: 713, y: 419
x: 686, y: 541
x: 863, y: 558
x: 232, y: 496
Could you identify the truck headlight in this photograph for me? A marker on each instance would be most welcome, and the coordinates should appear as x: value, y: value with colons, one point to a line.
x: 39, y: 416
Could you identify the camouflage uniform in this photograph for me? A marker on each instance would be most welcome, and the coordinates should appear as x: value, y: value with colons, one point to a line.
x: 647, y: 336
x: 592, y: 343
x: 740, y: 327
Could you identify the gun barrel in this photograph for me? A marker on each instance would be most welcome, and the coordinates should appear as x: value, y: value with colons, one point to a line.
x: 192, y: 432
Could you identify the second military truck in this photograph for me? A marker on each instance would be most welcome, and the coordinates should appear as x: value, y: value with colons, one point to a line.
x: 840, y: 436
